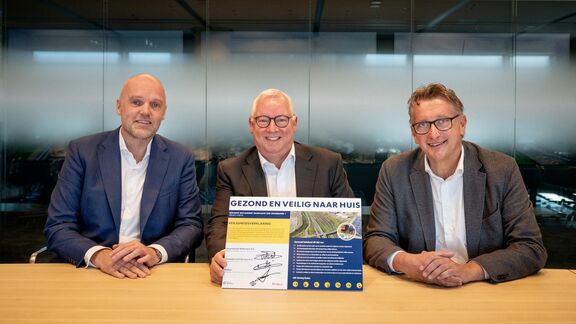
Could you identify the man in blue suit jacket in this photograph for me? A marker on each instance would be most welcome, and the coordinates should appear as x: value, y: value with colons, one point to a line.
x: 127, y: 199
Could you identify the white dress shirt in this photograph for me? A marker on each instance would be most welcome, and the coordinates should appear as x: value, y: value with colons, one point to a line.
x: 133, y: 177
x: 280, y: 182
x: 449, y: 220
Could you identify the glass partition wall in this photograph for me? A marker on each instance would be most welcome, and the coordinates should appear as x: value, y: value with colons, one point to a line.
x: 349, y: 67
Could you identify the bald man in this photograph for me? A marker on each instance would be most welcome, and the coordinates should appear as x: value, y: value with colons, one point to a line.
x: 126, y: 199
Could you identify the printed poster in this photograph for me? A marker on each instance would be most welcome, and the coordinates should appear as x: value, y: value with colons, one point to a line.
x: 294, y: 243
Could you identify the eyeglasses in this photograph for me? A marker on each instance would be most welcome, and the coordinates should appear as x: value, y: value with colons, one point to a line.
x: 281, y: 121
x: 441, y: 124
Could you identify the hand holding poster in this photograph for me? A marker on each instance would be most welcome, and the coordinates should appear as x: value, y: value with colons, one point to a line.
x: 294, y: 243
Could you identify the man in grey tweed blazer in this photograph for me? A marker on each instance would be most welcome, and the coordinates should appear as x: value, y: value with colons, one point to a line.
x: 451, y: 212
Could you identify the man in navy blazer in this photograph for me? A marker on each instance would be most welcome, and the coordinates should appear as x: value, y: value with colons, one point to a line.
x: 451, y: 212
x: 275, y: 167
x: 126, y: 199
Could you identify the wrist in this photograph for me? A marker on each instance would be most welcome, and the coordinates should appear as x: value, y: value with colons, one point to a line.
x: 96, y: 257
x: 474, y: 272
x: 158, y: 255
x: 398, y: 261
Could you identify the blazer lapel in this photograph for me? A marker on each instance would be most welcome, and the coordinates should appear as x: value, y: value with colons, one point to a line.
x: 111, y: 170
x: 254, y: 175
x: 305, y: 171
x: 474, y: 190
x: 420, y: 184
x: 157, y: 168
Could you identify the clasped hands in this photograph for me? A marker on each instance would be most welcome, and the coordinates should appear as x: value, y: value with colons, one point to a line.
x: 436, y: 267
x: 130, y: 259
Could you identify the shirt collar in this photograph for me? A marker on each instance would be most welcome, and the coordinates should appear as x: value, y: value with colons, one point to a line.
x: 459, y: 168
x: 291, y: 156
x: 124, y: 148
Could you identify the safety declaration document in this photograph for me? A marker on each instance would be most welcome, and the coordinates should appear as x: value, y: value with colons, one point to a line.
x: 294, y: 243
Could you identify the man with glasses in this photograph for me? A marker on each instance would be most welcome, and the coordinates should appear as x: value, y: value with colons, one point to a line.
x: 275, y: 167
x: 451, y: 212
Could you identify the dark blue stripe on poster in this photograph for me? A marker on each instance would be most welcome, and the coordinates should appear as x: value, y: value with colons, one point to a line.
x: 258, y: 214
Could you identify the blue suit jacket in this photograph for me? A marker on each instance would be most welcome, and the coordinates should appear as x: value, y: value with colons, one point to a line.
x: 85, y: 206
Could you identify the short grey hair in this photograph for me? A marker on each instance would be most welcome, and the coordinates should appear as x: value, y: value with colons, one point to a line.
x: 272, y: 93
x: 434, y: 91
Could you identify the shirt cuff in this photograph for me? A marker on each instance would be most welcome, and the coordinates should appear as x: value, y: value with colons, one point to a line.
x: 390, y: 260
x: 91, y: 251
x: 162, y: 251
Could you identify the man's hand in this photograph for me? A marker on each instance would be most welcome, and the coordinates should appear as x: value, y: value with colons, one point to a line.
x: 464, y: 273
x: 134, y: 251
x: 217, y: 265
x: 437, y: 272
x: 103, y: 261
x: 414, y: 265
x: 437, y: 268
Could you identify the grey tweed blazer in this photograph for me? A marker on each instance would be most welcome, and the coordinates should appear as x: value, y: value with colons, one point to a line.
x: 501, y: 230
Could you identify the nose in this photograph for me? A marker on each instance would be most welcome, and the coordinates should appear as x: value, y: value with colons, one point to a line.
x: 145, y: 109
x: 272, y: 126
x: 433, y: 132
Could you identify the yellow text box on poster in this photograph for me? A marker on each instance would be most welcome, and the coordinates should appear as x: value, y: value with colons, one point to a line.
x: 258, y: 230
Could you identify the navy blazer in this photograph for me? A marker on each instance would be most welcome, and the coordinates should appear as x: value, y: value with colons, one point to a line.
x: 85, y: 207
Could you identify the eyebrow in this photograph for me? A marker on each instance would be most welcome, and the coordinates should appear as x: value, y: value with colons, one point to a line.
x: 142, y: 97
x: 435, y: 119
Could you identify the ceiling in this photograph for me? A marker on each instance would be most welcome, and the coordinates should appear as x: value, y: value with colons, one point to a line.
x: 463, y: 16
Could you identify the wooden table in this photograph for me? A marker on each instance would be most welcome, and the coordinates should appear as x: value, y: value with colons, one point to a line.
x: 60, y: 293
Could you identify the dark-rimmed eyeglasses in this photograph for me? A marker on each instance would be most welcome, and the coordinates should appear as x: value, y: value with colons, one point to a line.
x: 441, y: 124
x: 281, y: 121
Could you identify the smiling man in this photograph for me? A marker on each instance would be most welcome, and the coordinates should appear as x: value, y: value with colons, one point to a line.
x: 451, y: 212
x: 275, y: 167
x: 126, y: 199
